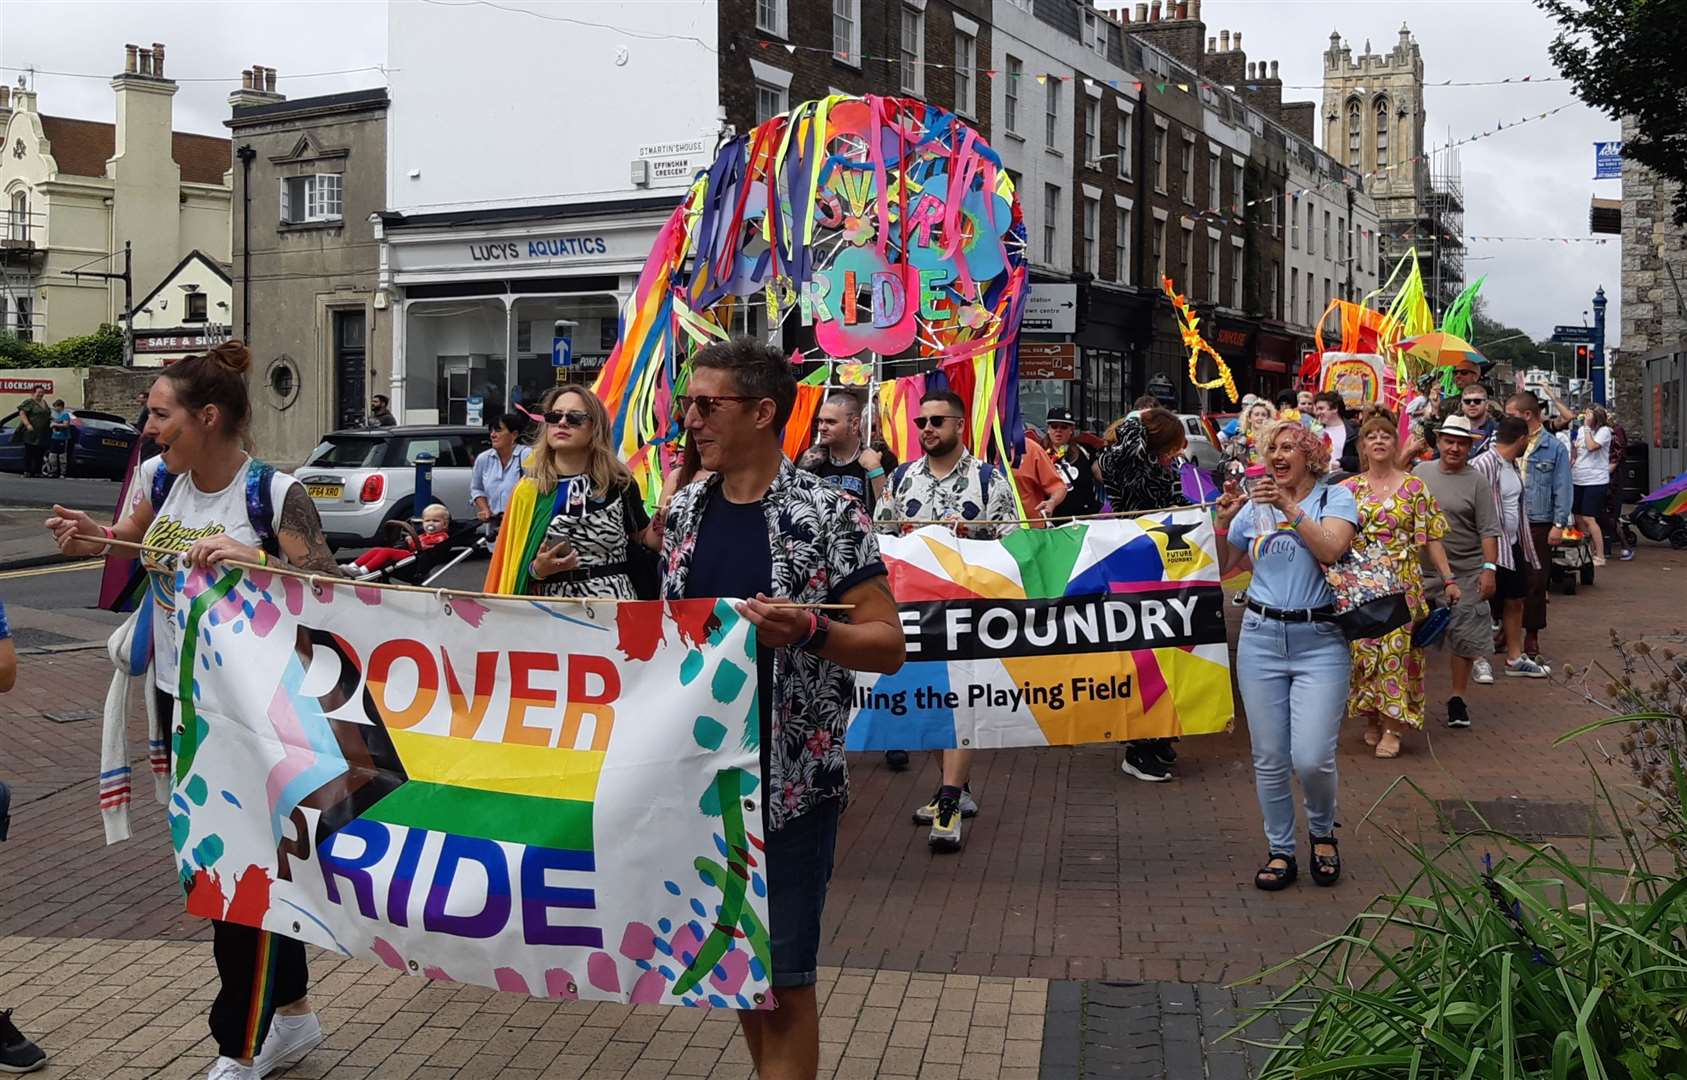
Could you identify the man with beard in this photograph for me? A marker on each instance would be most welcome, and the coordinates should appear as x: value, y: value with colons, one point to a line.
x: 838, y: 455
x: 949, y: 485
x: 1076, y: 465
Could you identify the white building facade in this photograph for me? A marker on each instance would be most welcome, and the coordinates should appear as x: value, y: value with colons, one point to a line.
x: 1333, y: 247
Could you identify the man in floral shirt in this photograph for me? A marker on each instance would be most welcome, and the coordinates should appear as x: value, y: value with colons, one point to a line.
x: 949, y: 485
x: 759, y: 528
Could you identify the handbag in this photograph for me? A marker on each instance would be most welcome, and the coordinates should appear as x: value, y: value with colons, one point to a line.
x: 1370, y: 596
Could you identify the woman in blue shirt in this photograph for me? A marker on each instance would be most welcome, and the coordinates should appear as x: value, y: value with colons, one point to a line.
x: 1292, y: 661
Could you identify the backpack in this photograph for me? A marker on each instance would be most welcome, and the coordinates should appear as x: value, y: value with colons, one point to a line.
x: 260, y: 501
x: 985, y: 472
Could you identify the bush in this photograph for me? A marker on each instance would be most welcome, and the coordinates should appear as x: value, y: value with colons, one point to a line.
x: 102, y: 348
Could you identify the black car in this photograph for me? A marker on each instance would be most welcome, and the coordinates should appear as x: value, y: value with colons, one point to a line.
x: 99, y: 446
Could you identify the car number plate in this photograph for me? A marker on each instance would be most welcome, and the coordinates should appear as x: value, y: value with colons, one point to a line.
x: 115, y: 442
x: 324, y: 491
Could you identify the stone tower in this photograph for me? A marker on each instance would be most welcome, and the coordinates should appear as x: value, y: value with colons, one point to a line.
x: 1373, y: 117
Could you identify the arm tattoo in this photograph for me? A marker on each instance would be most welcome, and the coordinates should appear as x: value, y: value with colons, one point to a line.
x: 300, y: 534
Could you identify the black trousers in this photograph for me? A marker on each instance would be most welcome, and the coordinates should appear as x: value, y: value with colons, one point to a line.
x: 257, y: 970
x: 34, y: 457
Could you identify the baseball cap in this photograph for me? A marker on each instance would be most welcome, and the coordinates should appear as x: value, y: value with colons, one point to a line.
x: 1061, y: 416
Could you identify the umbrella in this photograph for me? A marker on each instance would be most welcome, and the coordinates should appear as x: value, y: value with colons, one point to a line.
x: 1673, y: 487
x: 1443, y: 350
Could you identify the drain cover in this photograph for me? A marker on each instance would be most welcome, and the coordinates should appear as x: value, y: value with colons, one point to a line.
x: 73, y: 717
x: 31, y: 638
x: 1531, y: 819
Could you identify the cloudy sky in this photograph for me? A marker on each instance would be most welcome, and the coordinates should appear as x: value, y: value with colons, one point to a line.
x: 1530, y: 182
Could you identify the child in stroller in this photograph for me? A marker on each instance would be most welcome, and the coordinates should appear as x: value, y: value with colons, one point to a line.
x: 436, y: 530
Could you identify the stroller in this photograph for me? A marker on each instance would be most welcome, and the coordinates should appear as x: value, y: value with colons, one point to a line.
x: 1662, y: 515
x: 1572, y: 562
x: 424, y: 565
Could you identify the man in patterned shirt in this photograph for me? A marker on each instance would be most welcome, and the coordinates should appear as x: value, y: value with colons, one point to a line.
x: 760, y: 529
x: 949, y: 485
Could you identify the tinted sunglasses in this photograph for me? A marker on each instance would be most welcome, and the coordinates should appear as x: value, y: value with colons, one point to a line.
x: 1475, y: 401
x: 705, y: 403
x: 571, y: 418
x: 922, y: 422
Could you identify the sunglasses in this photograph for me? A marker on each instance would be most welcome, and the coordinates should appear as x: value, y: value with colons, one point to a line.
x: 922, y: 422
x: 571, y: 418
x: 705, y: 404
x: 1475, y: 401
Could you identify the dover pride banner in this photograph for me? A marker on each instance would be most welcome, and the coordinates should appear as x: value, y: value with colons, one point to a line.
x: 1092, y: 632
x: 554, y: 800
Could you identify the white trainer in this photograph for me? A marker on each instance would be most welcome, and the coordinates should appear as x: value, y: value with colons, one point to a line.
x: 290, y: 1039
x: 1482, y: 671
x: 226, y: 1068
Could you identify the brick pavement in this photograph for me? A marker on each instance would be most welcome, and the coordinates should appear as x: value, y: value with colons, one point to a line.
x: 1071, y: 873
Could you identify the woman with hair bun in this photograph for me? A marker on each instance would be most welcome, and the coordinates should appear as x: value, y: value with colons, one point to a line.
x: 208, y: 499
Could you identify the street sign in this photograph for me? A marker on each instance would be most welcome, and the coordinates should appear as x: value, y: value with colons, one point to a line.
x: 1573, y: 334
x: 1048, y: 360
x: 1050, y: 309
x: 562, y: 352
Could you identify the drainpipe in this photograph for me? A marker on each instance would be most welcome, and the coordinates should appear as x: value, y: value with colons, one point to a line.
x: 246, y: 155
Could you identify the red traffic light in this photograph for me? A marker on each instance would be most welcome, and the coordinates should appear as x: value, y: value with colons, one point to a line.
x: 1581, y: 352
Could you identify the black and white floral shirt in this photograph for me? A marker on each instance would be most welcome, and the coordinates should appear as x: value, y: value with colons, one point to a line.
x: 822, y: 545
x: 1132, y: 478
x: 916, y: 495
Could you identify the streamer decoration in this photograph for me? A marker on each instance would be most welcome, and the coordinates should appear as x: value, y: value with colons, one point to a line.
x: 1189, y: 326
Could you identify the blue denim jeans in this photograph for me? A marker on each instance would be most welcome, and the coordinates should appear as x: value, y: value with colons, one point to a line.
x: 1293, y: 677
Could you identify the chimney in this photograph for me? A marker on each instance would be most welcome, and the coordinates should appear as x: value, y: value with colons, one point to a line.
x: 1224, y: 41
x: 143, y: 163
x: 1195, y: 10
x: 1141, y: 13
x: 1274, y: 70
x: 1236, y: 42
x: 1125, y: 15
x: 129, y: 59
x: 1182, y: 10
x: 257, y: 87
x: 1250, y: 71
x: 1212, y: 44
x: 158, y: 59
x: 1154, y: 11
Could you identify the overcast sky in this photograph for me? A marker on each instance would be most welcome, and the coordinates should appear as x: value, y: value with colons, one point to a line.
x: 1534, y: 181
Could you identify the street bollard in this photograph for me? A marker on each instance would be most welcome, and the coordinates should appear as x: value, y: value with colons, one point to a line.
x: 424, y: 488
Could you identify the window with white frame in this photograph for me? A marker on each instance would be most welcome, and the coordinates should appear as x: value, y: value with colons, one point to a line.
x: 1126, y: 143
x: 1276, y: 215
x: 1237, y: 182
x: 1160, y: 136
x: 912, y: 50
x: 966, y: 52
x: 770, y: 16
x: 25, y: 330
x: 846, y: 31
x: 1051, y: 224
x: 1188, y: 249
x: 1341, y: 239
x: 771, y: 101
x: 312, y: 198
x: 19, y: 229
x: 1294, y: 222
x: 1095, y: 32
x: 1159, y: 248
x: 1214, y: 184
x: 1212, y: 268
x: 1092, y: 234
x: 1326, y: 235
x: 1122, y: 245
x: 1236, y: 261
x: 1092, y: 130
x: 1010, y: 115
x: 1294, y: 293
x: 1188, y: 169
x: 1051, y: 113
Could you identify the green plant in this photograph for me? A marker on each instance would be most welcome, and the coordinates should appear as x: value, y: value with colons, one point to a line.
x: 1528, y: 963
x: 102, y: 348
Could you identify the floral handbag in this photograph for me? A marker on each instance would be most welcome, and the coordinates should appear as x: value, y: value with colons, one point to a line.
x: 1370, y: 594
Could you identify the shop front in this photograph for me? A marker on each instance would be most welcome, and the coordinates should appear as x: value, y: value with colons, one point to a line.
x: 1234, y: 340
x: 1276, y: 362
x: 494, y: 307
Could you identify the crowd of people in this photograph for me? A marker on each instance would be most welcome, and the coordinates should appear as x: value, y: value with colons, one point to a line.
x: 1466, y: 508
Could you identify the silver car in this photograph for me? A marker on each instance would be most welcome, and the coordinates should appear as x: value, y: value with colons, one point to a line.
x: 361, y: 479
x: 1201, y: 450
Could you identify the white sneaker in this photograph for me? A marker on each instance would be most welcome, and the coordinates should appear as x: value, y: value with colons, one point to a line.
x: 1482, y: 671
x: 1525, y: 668
x: 290, y: 1039
x: 226, y: 1068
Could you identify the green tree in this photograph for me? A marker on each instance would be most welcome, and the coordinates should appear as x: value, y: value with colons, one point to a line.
x: 1625, y: 57
x: 102, y: 348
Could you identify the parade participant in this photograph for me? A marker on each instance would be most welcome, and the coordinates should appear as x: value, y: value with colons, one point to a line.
x: 37, y: 421
x: 1545, y: 468
x: 1340, y: 429
x: 380, y: 412
x: 1303, y: 402
x: 1077, y: 467
x: 1517, y: 556
x: 838, y: 455
x: 212, y: 501
x: 1286, y: 400
x: 1042, y: 487
x: 1610, y: 523
x: 1292, y: 662
x: 1139, y: 473
x: 1398, y: 515
x: 573, y: 522
x: 760, y: 528
x: 1590, y: 476
x: 1473, y: 406
x: 1246, y: 445
x: 947, y: 484
x: 1237, y: 423
x: 17, y: 1053
x: 497, y: 469
x: 1471, y: 543
x: 436, y: 530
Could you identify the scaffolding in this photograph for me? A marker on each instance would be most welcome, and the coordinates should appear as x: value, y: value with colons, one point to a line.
x: 22, y: 259
x: 1432, y: 224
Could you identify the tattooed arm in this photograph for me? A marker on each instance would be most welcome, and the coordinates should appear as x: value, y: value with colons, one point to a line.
x: 300, y: 534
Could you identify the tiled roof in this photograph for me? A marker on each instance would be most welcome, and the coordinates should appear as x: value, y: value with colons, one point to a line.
x: 82, y: 147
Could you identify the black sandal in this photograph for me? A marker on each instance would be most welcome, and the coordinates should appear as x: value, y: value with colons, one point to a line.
x: 1326, y: 869
x: 1276, y: 878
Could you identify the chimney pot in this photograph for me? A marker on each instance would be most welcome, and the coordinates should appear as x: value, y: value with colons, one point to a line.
x: 1250, y: 71
x: 1224, y: 41
x: 146, y: 61
x: 269, y: 79
x: 129, y: 59
x: 1154, y: 11
x: 1182, y: 10
x: 1195, y: 10
x: 246, y: 79
x: 1212, y: 43
x: 1274, y: 69
x: 1236, y: 42
x: 1142, y: 12
x: 158, y: 58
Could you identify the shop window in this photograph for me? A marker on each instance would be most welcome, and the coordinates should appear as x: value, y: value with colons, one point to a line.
x: 312, y: 198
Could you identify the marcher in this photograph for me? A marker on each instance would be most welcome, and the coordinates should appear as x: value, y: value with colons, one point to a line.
x: 37, y: 424
x: 1077, y: 467
x: 1292, y: 662
x: 1303, y: 402
x: 1471, y: 543
x: 380, y: 412
x: 947, y: 484
x: 1545, y: 468
x: 1473, y: 406
x: 1610, y: 518
x: 497, y: 469
x: 1042, y: 487
x: 64, y: 428
x: 1246, y: 446
x: 1590, y: 476
x: 205, y: 495
x: 735, y: 534
x: 1397, y: 515
x: 573, y: 522
x: 1340, y: 429
x: 17, y: 1053
x: 1517, y: 555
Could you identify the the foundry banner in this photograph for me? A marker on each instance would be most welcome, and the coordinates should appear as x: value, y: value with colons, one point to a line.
x: 1092, y: 632
x: 555, y: 800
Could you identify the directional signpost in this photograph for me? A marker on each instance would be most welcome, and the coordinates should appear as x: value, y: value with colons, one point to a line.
x: 1573, y: 335
x: 1051, y: 309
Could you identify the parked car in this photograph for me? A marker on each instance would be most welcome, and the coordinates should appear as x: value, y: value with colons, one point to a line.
x: 361, y: 479
x: 99, y: 448
x: 1201, y: 449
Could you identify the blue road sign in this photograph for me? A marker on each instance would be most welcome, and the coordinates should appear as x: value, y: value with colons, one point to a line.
x: 1573, y: 335
x: 562, y: 352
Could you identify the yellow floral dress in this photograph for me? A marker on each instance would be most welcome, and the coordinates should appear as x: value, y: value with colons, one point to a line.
x: 1387, y: 679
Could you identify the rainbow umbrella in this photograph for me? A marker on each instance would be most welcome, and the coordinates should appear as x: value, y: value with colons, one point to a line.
x: 1672, y: 497
x: 1443, y: 350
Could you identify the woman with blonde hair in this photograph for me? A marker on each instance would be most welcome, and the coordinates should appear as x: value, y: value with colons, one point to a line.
x: 1397, y: 514
x: 576, y: 518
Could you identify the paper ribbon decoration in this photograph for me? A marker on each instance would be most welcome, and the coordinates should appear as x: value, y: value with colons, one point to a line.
x: 1189, y: 326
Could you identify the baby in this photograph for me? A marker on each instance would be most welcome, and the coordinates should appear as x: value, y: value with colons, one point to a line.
x: 436, y: 528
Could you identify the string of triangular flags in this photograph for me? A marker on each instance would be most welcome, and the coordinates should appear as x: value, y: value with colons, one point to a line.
x: 1540, y: 239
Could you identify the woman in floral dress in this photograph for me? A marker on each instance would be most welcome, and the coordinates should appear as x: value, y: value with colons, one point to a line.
x: 1397, y: 512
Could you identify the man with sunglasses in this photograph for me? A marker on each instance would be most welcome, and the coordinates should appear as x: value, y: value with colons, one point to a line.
x: 762, y: 529
x: 1473, y: 405
x: 951, y: 486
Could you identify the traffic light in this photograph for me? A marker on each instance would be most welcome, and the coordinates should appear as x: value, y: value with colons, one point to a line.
x: 1583, y: 354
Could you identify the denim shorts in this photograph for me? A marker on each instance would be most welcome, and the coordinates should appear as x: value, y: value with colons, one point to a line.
x: 799, y: 868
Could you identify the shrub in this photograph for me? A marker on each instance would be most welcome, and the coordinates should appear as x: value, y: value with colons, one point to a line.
x: 102, y: 348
